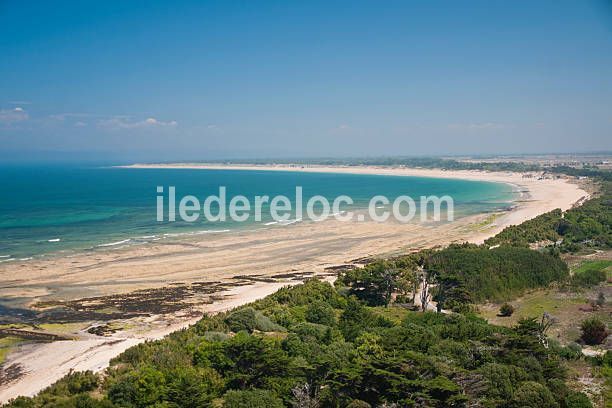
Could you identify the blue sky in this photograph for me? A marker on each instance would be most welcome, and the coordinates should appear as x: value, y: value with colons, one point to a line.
x: 187, y: 80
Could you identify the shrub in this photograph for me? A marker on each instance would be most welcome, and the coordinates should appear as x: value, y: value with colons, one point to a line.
x: 321, y: 313
x: 249, y: 319
x: 358, y: 404
x: 594, y: 331
x: 312, y: 330
x: 215, y: 336
x: 506, y: 310
x: 143, y: 387
x: 573, y: 351
x: 501, y: 379
x: 242, y: 319
x: 192, y: 387
x: 577, y: 400
x: 74, y: 383
x: 22, y: 402
x: 533, y: 395
x: 251, y: 399
x: 589, y: 277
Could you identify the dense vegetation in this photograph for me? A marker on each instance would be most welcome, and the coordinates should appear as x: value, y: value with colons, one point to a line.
x: 590, y: 224
x: 586, y: 226
x: 544, y: 227
x: 498, y: 274
x: 333, y: 350
x: 591, y: 273
x: 462, y: 275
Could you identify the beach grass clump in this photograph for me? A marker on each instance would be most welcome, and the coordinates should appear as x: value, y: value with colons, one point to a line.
x: 506, y: 310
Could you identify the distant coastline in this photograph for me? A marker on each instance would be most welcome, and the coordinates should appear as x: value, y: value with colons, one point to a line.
x: 509, y: 177
x: 542, y: 195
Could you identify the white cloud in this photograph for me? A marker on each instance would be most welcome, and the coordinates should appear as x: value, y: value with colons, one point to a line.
x: 123, y: 122
x: 9, y: 116
x: 61, y: 117
x: 344, y: 127
x: 476, y: 126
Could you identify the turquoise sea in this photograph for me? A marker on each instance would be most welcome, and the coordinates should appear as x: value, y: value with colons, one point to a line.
x: 58, y: 209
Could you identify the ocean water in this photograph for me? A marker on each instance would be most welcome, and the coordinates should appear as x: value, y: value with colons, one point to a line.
x: 51, y: 210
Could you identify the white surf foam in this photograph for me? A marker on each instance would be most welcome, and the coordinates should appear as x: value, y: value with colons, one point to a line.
x: 125, y: 241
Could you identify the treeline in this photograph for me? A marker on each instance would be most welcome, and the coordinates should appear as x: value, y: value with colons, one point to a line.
x: 590, y: 224
x: 459, y: 276
x: 585, y: 226
x: 311, y: 346
x: 544, y: 227
x: 418, y: 162
x: 498, y: 274
x: 591, y: 171
x: 585, y: 171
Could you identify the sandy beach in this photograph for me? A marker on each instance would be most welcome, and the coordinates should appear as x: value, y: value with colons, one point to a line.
x: 302, y: 247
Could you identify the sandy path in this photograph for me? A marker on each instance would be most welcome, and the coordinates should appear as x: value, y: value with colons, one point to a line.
x: 300, y: 247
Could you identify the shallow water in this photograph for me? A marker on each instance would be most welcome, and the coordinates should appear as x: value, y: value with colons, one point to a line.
x: 65, y: 208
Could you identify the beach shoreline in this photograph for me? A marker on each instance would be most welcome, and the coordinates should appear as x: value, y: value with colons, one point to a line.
x: 303, y: 247
x: 543, y: 194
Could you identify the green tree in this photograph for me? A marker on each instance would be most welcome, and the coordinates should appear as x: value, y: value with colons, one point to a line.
x: 249, y: 361
x: 249, y: 319
x: 141, y: 388
x: 191, y: 387
x: 355, y: 319
x: 577, y: 400
x: 321, y: 313
x: 375, y: 283
x: 532, y: 395
x: 255, y: 398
